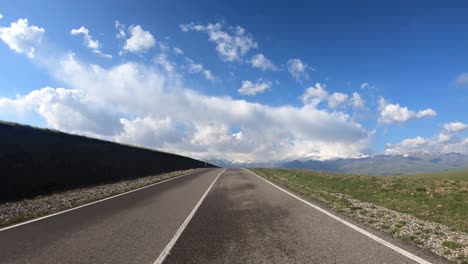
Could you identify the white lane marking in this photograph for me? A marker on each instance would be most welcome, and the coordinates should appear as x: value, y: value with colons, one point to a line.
x: 360, y: 230
x: 167, y: 250
x: 91, y: 203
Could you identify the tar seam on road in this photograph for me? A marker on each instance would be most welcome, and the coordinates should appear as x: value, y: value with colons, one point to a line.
x: 91, y: 203
x: 360, y: 230
x: 181, y: 229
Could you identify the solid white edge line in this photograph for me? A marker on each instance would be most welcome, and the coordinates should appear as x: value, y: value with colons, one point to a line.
x: 167, y: 250
x: 95, y: 202
x: 360, y: 230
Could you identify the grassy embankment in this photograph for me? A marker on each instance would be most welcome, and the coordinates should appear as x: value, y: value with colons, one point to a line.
x: 438, y: 197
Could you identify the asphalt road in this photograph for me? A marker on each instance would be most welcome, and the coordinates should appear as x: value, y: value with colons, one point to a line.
x: 242, y: 219
x: 132, y: 228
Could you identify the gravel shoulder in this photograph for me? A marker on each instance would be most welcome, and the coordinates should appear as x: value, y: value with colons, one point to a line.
x: 19, y: 211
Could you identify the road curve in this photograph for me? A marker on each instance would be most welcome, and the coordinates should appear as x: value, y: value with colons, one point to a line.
x: 240, y: 219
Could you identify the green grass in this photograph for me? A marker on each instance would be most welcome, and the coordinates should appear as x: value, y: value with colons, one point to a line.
x: 452, y: 245
x: 439, y: 197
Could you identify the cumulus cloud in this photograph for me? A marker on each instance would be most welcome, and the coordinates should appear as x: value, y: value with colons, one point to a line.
x: 446, y: 141
x: 198, y: 68
x: 314, y: 95
x: 1, y: 16
x: 394, y: 113
x: 140, y: 104
x: 90, y: 42
x: 298, y: 69
x: 144, y: 104
x: 317, y: 94
x: 337, y: 100
x: 231, y: 45
x: 148, y: 131
x: 417, y: 144
x: 249, y: 88
x: 263, y: 63
x: 65, y: 109
x: 139, y: 40
x: 357, y: 101
x: 364, y: 85
x: 462, y: 79
x: 94, y: 45
x: 426, y: 113
x: 21, y: 37
x: 455, y: 127
x: 163, y: 61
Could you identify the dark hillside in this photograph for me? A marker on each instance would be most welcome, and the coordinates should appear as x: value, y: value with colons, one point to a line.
x: 39, y: 161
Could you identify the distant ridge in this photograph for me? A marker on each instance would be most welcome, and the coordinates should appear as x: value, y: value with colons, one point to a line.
x: 387, y: 164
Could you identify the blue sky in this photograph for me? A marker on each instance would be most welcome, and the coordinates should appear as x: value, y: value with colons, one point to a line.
x: 241, y: 81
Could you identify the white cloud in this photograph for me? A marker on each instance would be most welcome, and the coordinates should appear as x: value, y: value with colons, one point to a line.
x: 163, y: 46
x: 164, y: 62
x: 445, y: 142
x: 417, y: 144
x: 455, y: 127
x: 194, y: 67
x: 262, y: 62
x: 90, y: 42
x: 394, y: 113
x: 1, y: 16
x: 65, y: 109
x: 22, y: 38
x: 357, y: 101
x: 314, y: 95
x: 139, y: 40
x: 120, y: 30
x: 149, y: 131
x: 198, y: 68
x: 231, y: 46
x: 208, y: 75
x: 178, y: 51
x: 337, y: 100
x: 298, y: 69
x: 462, y: 79
x: 140, y: 104
x: 249, y: 88
x: 364, y: 85
x: 426, y: 113
x: 94, y: 45
x: 136, y: 103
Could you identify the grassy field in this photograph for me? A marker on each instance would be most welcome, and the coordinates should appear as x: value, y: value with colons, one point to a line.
x: 439, y: 197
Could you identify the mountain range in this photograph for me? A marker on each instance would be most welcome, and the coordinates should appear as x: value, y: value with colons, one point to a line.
x: 371, y: 165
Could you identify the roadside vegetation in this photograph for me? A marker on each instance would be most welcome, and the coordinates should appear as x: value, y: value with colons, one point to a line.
x: 429, y: 210
x: 439, y: 197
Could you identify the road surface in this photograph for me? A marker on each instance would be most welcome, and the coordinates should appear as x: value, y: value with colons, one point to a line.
x: 212, y: 216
